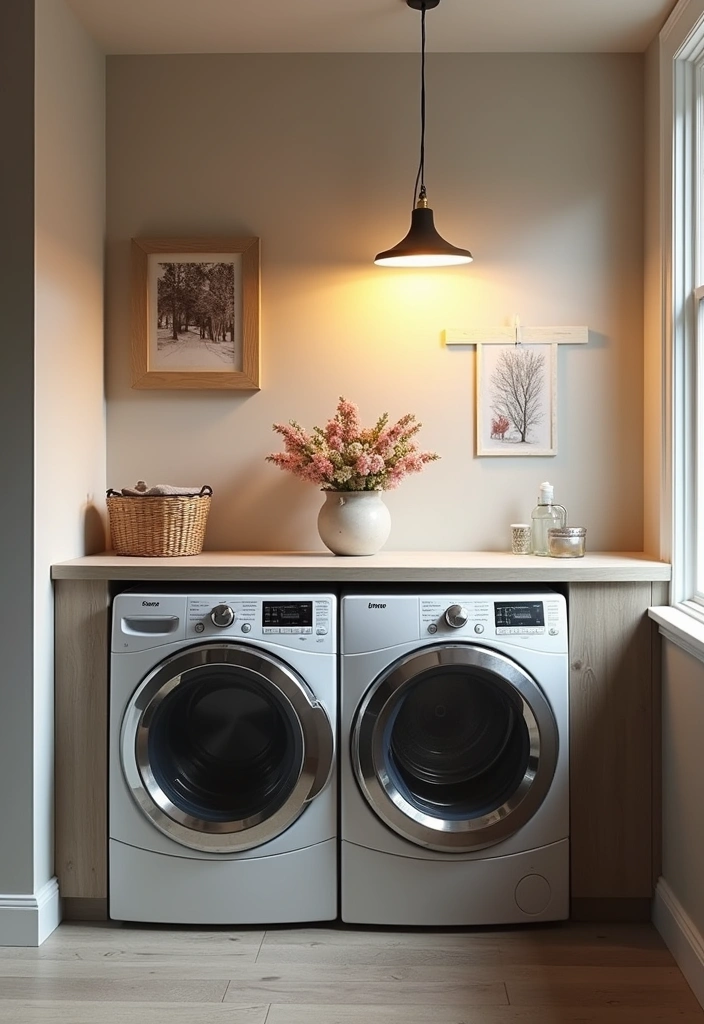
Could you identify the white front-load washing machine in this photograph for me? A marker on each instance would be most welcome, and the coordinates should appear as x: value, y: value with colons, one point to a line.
x: 454, y: 758
x: 222, y: 774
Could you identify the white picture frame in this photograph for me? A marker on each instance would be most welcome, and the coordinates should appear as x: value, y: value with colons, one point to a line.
x: 516, y: 400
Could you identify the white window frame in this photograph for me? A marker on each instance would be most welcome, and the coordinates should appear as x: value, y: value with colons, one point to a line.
x: 693, y: 542
x: 682, y: 138
x: 687, y: 360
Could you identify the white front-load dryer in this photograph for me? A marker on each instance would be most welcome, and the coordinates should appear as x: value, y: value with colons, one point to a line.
x: 454, y: 760
x: 222, y: 774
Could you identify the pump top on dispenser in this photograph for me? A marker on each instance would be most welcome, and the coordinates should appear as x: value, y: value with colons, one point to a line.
x: 544, y: 517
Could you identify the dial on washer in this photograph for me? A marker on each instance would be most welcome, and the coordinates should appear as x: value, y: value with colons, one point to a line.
x: 456, y: 616
x: 222, y: 615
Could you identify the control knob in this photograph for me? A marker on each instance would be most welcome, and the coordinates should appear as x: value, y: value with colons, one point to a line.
x: 222, y: 615
x: 456, y: 616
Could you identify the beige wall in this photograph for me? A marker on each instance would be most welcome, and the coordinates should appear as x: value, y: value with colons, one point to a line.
x: 683, y: 779
x: 69, y: 402
x: 535, y: 162
x: 656, y: 511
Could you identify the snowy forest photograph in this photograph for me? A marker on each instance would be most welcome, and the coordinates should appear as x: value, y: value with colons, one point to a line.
x: 516, y: 391
x: 194, y: 313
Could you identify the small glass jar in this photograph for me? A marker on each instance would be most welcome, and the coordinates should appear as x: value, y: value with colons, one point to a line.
x: 567, y: 541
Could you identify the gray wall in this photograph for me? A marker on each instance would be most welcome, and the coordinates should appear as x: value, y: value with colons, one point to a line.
x: 535, y: 162
x: 16, y: 450
x: 52, y: 458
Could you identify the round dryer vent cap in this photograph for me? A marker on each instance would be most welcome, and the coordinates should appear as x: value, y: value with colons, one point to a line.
x: 533, y: 894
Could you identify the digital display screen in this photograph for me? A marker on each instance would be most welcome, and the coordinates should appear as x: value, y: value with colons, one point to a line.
x: 287, y: 613
x: 525, y: 613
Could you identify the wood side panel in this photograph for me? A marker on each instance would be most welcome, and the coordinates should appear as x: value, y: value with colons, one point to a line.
x: 81, y: 716
x: 611, y: 740
x: 660, y: 596
x: 633, y: 909
x: 76, y: 908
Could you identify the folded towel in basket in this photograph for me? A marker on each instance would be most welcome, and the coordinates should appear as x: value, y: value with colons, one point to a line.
x: 141, y: 489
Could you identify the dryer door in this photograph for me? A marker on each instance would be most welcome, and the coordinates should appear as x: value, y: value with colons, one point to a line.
x: 454, y: 747
x: 223, y: 746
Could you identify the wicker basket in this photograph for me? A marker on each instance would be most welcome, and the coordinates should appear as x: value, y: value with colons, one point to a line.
x: 157, y: 526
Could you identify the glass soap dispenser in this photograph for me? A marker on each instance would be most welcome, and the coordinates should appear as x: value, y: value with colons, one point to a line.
x: 544, y: 517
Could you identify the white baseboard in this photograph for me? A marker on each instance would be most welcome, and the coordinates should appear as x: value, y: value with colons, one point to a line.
x: 26, y: 920
x: 681, y: 935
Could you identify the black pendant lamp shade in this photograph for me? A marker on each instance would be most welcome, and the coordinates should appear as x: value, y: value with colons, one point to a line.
x: 422, y: 246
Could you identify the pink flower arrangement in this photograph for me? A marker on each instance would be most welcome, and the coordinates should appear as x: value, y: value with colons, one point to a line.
x: 344, y: 456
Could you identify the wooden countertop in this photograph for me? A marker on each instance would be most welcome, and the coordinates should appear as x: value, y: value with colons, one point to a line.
x: 387, y: 567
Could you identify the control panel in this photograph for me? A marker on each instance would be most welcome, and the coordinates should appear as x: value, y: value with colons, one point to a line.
x: 293, y: 621
x: 144, y: 621
x: 516, y: 619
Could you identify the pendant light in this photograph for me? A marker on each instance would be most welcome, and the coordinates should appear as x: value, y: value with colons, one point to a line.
x: 422, y: 246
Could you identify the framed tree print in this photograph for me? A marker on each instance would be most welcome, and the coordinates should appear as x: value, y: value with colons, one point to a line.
x: 195, y: 313
x: 516, y: 399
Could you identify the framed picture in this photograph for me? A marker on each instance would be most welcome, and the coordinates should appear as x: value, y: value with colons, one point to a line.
x: 516, y: 399
x: 195, y: 313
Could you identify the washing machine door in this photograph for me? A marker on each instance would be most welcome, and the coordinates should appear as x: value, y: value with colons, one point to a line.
x: 223, y: 746
x: 454, y: 747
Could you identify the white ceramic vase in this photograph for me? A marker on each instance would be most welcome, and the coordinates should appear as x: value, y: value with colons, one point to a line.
x: 354, y: 522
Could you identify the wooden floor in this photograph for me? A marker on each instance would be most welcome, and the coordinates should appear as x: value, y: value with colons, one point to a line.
x: 571, y: 974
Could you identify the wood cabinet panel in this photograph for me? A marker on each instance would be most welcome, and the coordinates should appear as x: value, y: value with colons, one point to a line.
x: 614, y: 740
x: 81, y: 724
x: 611, y: 740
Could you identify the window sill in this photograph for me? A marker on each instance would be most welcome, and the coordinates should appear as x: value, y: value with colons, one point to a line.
x: 680, y: 628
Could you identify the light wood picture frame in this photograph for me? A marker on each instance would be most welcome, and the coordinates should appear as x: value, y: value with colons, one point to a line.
x: 516, y: 399
x: 195, y: 313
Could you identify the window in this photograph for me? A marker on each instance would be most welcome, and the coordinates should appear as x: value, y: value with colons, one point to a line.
x: 684, y: 313
x: 675, y: 317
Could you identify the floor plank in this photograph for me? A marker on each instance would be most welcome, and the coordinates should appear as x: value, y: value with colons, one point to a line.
x: 294, y: 983
x: 45, y: 1012
x: 368, y: 1014
x: 103, y: 940
x: 465, y: 985
x: 551, y: 991
x: 591, y: 945
x: 119, y: 990
x: 157, y: 967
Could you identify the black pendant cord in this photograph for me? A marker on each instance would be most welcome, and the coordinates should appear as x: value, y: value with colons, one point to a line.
x: 419, y: 192
x: 422, y: 246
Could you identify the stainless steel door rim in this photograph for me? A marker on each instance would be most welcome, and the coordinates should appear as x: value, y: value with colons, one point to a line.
x: 306, y: 716
x: 370, y: 750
